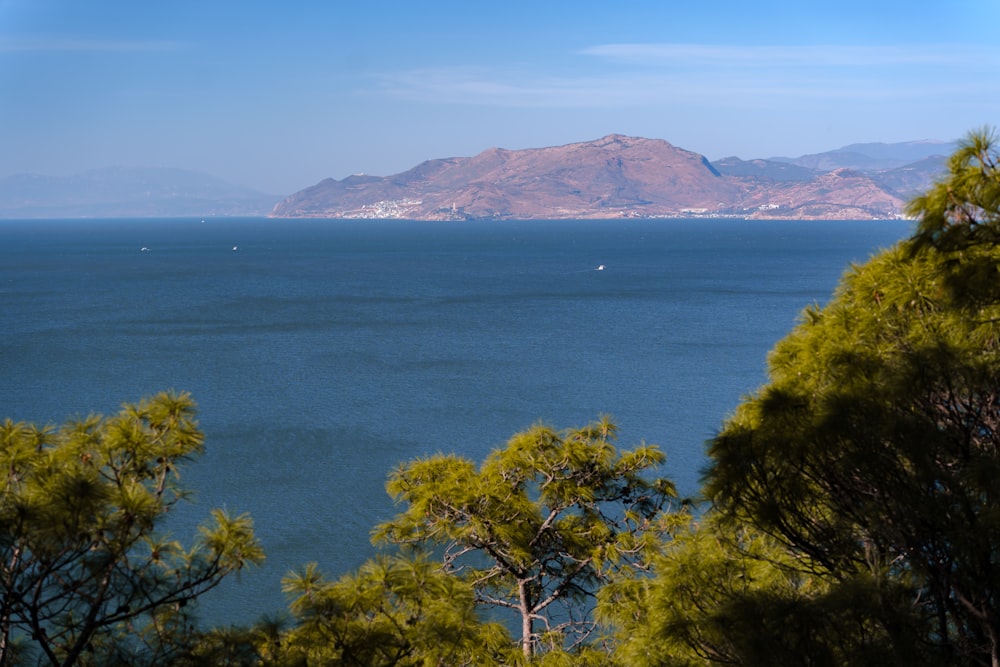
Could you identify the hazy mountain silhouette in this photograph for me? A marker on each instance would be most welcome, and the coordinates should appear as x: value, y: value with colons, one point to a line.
x: 126, y: 191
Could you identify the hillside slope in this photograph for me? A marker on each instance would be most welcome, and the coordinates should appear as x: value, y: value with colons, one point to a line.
x: 612, y: 177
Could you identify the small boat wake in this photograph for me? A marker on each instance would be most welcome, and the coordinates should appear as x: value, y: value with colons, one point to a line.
x: 599, y: 267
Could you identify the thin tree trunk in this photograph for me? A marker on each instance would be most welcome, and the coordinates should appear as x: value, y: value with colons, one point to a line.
x: 527, y: 624
x: 4, y: 642
x: 995, y: 645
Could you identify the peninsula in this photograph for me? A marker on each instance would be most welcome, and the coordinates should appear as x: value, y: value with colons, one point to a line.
x: 625, y: 177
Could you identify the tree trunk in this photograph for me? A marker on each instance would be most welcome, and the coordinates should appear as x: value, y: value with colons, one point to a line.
x: 527, y: 623
x: 995, y: 645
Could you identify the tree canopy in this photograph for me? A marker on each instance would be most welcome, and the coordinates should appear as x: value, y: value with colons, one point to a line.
x: 873, y: 452
x: 85, y: 576
x: 964, y: 208
x: 539, y: 525
x: 392, y: 612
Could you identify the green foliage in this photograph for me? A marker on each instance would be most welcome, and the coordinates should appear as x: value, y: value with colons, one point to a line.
x: 85, y: 578
x: 872, y: 454
x: 392, y: 612
x: 237, y: 646
x: 964, y: 208
x: 539, y: 526
x: 721, y: 595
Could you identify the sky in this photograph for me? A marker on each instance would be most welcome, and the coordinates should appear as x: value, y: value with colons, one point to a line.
x: 280, y: 95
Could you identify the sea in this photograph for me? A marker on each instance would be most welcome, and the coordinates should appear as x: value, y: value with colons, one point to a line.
x: 324, y: 353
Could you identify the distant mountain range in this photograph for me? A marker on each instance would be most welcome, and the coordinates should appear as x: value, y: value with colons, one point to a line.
x: 128, y: 192
x: 616, y: 176
x: 620, y: 176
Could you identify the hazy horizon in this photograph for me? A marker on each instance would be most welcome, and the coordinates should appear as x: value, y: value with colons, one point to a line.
x: 278, y: 97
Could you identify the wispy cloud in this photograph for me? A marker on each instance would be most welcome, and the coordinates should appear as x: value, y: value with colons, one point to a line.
x: 531, y: 90
x: 785, y: 55
x: 500, y: 87
x: 651, y: 74
x: 53, y: 43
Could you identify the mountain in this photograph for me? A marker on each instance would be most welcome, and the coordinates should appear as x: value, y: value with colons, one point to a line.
x: 773, y: 170
x: 873, y: 156
x: 610, y: 177
x: 616, y: 176
x: 841, y: 194
x: 127, y: 192
x: 620, y: 176
x: 912, y: 179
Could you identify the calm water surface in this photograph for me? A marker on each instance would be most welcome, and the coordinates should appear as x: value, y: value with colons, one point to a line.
x: 323, y: 353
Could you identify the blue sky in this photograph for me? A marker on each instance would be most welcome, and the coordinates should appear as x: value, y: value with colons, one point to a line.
x: 279, y: 95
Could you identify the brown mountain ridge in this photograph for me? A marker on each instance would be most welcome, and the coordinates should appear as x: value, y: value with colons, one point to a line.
x: 613, y: 177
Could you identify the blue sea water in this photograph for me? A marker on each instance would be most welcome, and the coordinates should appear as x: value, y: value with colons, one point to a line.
x: 323, y: 353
